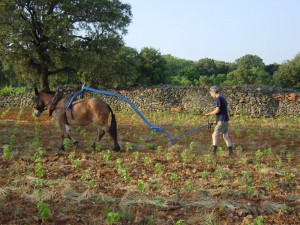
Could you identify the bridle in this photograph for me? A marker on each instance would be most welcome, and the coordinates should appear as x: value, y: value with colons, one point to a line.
x: 36, y: 100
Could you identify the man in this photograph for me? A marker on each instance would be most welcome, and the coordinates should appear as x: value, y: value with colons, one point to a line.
x: 222, y: 119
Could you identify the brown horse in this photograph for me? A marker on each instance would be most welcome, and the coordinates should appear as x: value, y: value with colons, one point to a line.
x: 84, y: 112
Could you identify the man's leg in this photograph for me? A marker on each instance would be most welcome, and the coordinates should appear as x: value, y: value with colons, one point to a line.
x: 228, y: 143
x: 215, y: 141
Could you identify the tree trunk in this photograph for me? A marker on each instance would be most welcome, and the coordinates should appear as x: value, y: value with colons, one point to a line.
x: 42, y: 81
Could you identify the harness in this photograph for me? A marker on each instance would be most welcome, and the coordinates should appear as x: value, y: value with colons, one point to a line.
x: 65, y: 112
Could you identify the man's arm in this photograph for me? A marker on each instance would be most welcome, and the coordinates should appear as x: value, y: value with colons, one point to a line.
x: 215, y: 111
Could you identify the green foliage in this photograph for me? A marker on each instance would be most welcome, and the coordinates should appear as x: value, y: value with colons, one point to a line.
x: 113, y: 217
x: 7, y: 152
x: 180, y: 222
x: 259, y: 220
x: 141, y: 186
x: 72, y: 46
x: 65, y: 41
x: 153, y: 67
x: 67, y: 144
x: 43, y: 210
x: 250, y: 61
x: 9, y: 90
x: 288, y: 74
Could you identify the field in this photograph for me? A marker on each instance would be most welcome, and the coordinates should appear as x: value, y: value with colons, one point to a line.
x: 150, y: 181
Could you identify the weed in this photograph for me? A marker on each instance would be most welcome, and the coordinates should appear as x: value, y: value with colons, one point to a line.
x: 269, y: 151
x: 246, y: 178
x: 67, y: 144
x: 98, y: 146
x: 151, y: 146
x: 209, y: 159
x: 38, y: 163
x: 259, y: 220
x: 239, y: 149
x: 188, y: 186
x: 158, y: 169
x: 141, y: 186
x: 289, y: 157
x: 204, y: 174
x: 184, y: 157
x: 173, y: 177
x: 7, y: 152
x: 288, y: 176
x: 136, y: 155
x: 249, y: 191
x: 44, y: 211
x: 85, y: 175
x: 192, y: 146
x: 128, y: 146
x: 141, y: 140
x: 147, y: 161
x: 268, y: 185
x: 279, y: 162
x: 259, y: 154
x: 180, y: 222
x: 106, y: 155
x: 218, y: 174
x: 113, y: 217
x: 75, y: 162
x: 258, y: 165
x: 250, y: 136
x: 168, y: 155
x: 237, y: 133
x: 4, y: 113
x: 159, y: 149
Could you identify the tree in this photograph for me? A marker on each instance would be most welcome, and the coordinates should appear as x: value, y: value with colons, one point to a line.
x: 47, y: 37
x: 206, y: 67
x: 288, y: 74
x: 250, y: 61
x: 126, y: 69
x: 174, y: 64
x: 152, y: 68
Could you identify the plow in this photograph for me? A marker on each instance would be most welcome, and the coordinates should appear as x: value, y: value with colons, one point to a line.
x: 153, y: 127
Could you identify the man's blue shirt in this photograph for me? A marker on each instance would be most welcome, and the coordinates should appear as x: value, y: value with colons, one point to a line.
x: 222, y: 115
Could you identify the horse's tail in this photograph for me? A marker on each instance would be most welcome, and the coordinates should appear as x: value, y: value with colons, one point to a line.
x: 113, y: 124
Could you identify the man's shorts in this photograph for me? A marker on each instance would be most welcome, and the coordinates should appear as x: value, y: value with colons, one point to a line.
x: 221, y: 127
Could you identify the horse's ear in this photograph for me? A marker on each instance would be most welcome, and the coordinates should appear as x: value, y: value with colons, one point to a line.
x: 36, y: 91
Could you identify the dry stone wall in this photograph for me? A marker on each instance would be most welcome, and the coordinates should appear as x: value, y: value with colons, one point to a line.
x: 255, y: 101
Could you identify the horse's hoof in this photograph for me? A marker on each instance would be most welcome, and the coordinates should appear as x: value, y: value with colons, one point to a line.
x: 62, y: 148
x: 116, y: 149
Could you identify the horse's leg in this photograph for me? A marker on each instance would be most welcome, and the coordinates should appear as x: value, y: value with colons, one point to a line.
x: 108, y: 130
x: 101, y: 133
x: 62, y: 134
x: 68, y: 129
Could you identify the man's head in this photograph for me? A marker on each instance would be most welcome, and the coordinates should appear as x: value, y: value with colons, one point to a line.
x: 214, y: 91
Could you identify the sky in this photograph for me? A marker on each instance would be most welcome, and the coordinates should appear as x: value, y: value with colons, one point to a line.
x: 223, y: 30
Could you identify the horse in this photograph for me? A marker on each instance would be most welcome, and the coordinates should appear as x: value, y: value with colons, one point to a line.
x: 82, y: 113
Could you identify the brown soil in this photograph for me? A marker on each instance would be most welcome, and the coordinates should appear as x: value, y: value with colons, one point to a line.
x: 181, y: 184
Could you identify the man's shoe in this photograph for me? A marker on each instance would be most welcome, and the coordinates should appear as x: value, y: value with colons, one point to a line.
x: 214, y: 151
x: 230, y: 151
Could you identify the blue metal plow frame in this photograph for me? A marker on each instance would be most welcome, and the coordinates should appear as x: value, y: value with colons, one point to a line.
x: 154, y: 128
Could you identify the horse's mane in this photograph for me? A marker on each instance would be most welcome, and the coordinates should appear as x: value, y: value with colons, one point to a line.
x: 48, y: 92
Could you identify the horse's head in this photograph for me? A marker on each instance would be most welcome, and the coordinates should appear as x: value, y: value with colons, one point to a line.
x: 41, y: 101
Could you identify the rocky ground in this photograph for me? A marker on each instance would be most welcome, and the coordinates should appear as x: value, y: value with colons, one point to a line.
x: 150, y: 181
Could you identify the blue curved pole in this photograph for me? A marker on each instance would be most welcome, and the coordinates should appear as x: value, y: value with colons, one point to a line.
x: 154, y: 128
